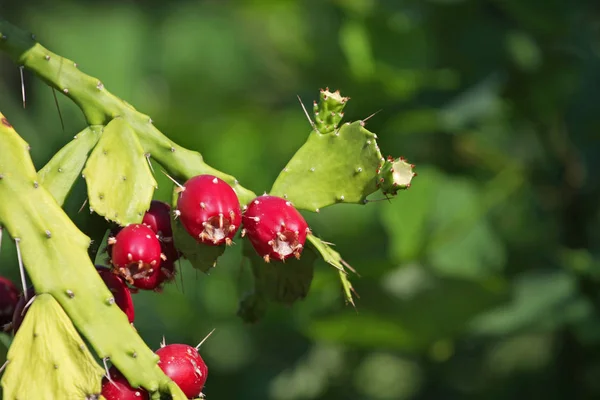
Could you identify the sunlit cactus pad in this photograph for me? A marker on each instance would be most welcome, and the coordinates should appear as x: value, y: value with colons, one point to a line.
x: 48, y: 359
x: 335, y: 167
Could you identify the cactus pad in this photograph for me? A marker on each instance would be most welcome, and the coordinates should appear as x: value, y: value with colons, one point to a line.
x: 60, y: 173
x: 120, y: 183
x: 335, y: 167
x: 48, y: 359
x: 328, y: 111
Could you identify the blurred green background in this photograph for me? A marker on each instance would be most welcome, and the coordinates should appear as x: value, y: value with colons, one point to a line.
x: 481, y: 281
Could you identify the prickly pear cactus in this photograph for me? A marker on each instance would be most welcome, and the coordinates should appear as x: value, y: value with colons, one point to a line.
x: 117, y: 169
x: 339, y: 163
x: 335, y: 165
x: 62, y: 360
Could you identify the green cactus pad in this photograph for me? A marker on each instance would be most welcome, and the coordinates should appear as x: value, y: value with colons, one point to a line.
x: 336, y: 167
x: 60, y: 173
x: 395, y: 175
x: 335, y: 259
x: 48, y: 359
x: 120, y: 183
x: 201, y: 256
x: 281, y: 282
x: 328, y: 111
x: 55, y: 256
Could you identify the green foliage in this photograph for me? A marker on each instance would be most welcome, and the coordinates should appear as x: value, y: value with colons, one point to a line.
x: 63, y: 362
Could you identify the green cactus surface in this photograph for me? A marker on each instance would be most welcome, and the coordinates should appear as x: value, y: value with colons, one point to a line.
x: 55, y: 256
x: 200, y: 255
x: 394, y: 175
x: 335, y: 259
x: 48, y: 349
x: 328, y: 112
x: 61, y: 172
x: 335, y: 167
x: 116, y: 170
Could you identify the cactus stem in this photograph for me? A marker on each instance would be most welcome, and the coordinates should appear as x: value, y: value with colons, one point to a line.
x: 22, y: 84
x: 21, y: 269
x: 204, y: 340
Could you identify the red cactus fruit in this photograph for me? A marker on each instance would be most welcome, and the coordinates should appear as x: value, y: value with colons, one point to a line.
x: 275, y: 228
x: 158, y: 218
x: 119, y: 388
x: 183, y: 364
x: 119, y: 290
x: 135, y: 252
x: 209, y: 210
x: 150, y: 281
x: 9, y: 296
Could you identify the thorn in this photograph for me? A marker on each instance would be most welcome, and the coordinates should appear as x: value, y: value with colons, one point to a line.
x: 174, y: 181
x: 83, y: 205
x: 369, y: 117
x: 243, y: 232
x: 62, y: 123
x: 202, y: 205
x: 204, y: 340
x: 22, y: 84
x: 0, y: 237
x: 164, y: 342
x: 307, y: 115
x: 267, y: 258
x: 21, y: 269
x: 4, y: 366
x: 147, y: 155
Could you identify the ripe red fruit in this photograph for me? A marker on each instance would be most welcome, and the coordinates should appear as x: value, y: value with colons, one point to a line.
x: 119, y: 388
x: 9, y: 296
x: 275, y: 228
x: 135, y: 252
x: 158, y: 218
x: 119, y: 290
x: 183, y: 364
x: 209, y: 210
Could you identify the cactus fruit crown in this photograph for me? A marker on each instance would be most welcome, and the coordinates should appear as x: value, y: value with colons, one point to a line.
x: 209, y: 210
x: 136, y: 252
x: 394, y: 175
x: 275, y: 228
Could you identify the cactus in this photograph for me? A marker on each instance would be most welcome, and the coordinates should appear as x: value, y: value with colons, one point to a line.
x: 394, y: 175
x: 117, y: 170
x: 62, y: 360
x: 337, y: 164
x: 60, y: 173
x: 55, y: 255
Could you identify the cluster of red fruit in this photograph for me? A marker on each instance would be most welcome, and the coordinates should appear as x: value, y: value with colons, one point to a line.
x: 143, y: 256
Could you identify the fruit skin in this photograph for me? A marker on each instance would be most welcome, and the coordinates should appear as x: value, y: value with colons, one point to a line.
x: 209, y: 210
x: 119, y: 290
x: 183, y: 364
x: 9, y: 296
x: 158, y: 218
x: 120, y: 388
x: 135, y: 252
x: 275, y: 228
